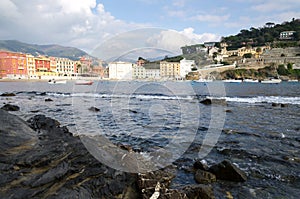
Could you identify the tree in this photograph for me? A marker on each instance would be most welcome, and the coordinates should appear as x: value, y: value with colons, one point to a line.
x: 258, y: 50
x: 281, y: 70
x: 247, y: 55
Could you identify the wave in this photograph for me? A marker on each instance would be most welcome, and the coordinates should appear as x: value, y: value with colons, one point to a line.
x: 249, y: 100
x: 264, y: 99
x: 136, y: 96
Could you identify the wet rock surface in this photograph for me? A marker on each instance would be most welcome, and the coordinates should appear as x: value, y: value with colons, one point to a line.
x: 228, y: 171
x: 10, y: 107
x: 8, y: 95
x: 46, y: 161
x: 94, y: 109
x: 209, y: 101
x: 41, y: 159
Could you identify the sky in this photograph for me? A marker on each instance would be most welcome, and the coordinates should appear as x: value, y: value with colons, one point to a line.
x: 91, y: 25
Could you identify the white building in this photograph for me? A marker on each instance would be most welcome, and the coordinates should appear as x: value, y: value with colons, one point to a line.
x: 138, y: 72
x: 152, y: 70
x: 120, y: 70
x: 65, y: 66
x: 186, y: 67
x: 287, y: 34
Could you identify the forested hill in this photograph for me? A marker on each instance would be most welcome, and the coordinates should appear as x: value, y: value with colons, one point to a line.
x: 260, y: 36
x: 50, y: 50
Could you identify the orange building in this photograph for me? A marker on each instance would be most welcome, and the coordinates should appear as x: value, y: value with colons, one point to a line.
x: 13, y: 65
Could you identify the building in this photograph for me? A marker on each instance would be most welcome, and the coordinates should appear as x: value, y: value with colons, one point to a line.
x: 186, y: 67
x: 152, y: 71
x: 85, y: 65
x: 138, y: 72
x: 13, y: 65
x: 42, y: 67
x: 141, y: 61
x: 120, y: 70
x: 287, y: 35
x: 53, y: 65
x: 169, y: 70
x: 197, y: 48
x: 30, y: 61
x: 65, y: 67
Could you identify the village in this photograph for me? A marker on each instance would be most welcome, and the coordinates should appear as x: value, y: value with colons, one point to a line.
x: 199, y: 61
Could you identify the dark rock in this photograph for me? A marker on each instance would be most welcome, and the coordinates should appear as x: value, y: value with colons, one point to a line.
x: 125, y: 147
x: 204, y: 177
x: 48, y: 100
x: 51, y: 163
x: 41, y: 122
x: 228, y: 111
x: 8, y: 95
x: 199, y: 191
x: 94, y: 109
x: 228, y: 171
x: 133, y: 111
x: 206, y: 102
x: 275, y: 104
x: 201, y: 164
x: 159, y: 180
x: 283, y: 105
x: 214, y: 101
x: 9, y: 107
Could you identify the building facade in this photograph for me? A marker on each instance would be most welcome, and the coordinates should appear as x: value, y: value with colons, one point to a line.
x: 152, y: 71
x: 13, y: 65
x: 169, y: 70
x: 186, y: 67
x: 65, y: 66
x: 287, y: 35
x: 120, y: 70
x: 138, y: 72
x: 30, y: 61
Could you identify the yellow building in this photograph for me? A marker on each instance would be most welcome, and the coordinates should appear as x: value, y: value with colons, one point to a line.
x: 169, y: 70
x: 30, y: 62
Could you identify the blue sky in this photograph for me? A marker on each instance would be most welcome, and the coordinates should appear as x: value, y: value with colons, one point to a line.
x: 222, y: 17
x: 86, y: 24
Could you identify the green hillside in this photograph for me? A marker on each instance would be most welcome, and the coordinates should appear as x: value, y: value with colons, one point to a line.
x: 268, y: 34
x: 50, y: 50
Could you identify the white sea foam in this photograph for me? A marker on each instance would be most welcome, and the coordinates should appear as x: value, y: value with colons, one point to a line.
x: 264, y: 99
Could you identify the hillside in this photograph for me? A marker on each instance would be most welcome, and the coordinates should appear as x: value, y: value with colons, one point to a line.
x: 50, y: 50
x: 268, y: 34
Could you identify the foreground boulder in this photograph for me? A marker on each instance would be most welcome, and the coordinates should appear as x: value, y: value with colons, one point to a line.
x: 9, y: 107
x: 228, y: 171
x: 204, y: 177
x: 46, y: 161
x: 8, y: 95
x: 41, y: 159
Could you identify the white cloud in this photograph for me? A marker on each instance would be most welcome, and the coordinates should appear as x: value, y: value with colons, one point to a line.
x: 199, y: 38
x: 151, y: 41
x: 59, y: 21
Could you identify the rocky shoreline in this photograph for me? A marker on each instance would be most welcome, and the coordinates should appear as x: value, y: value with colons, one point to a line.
x: 41, y: 159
